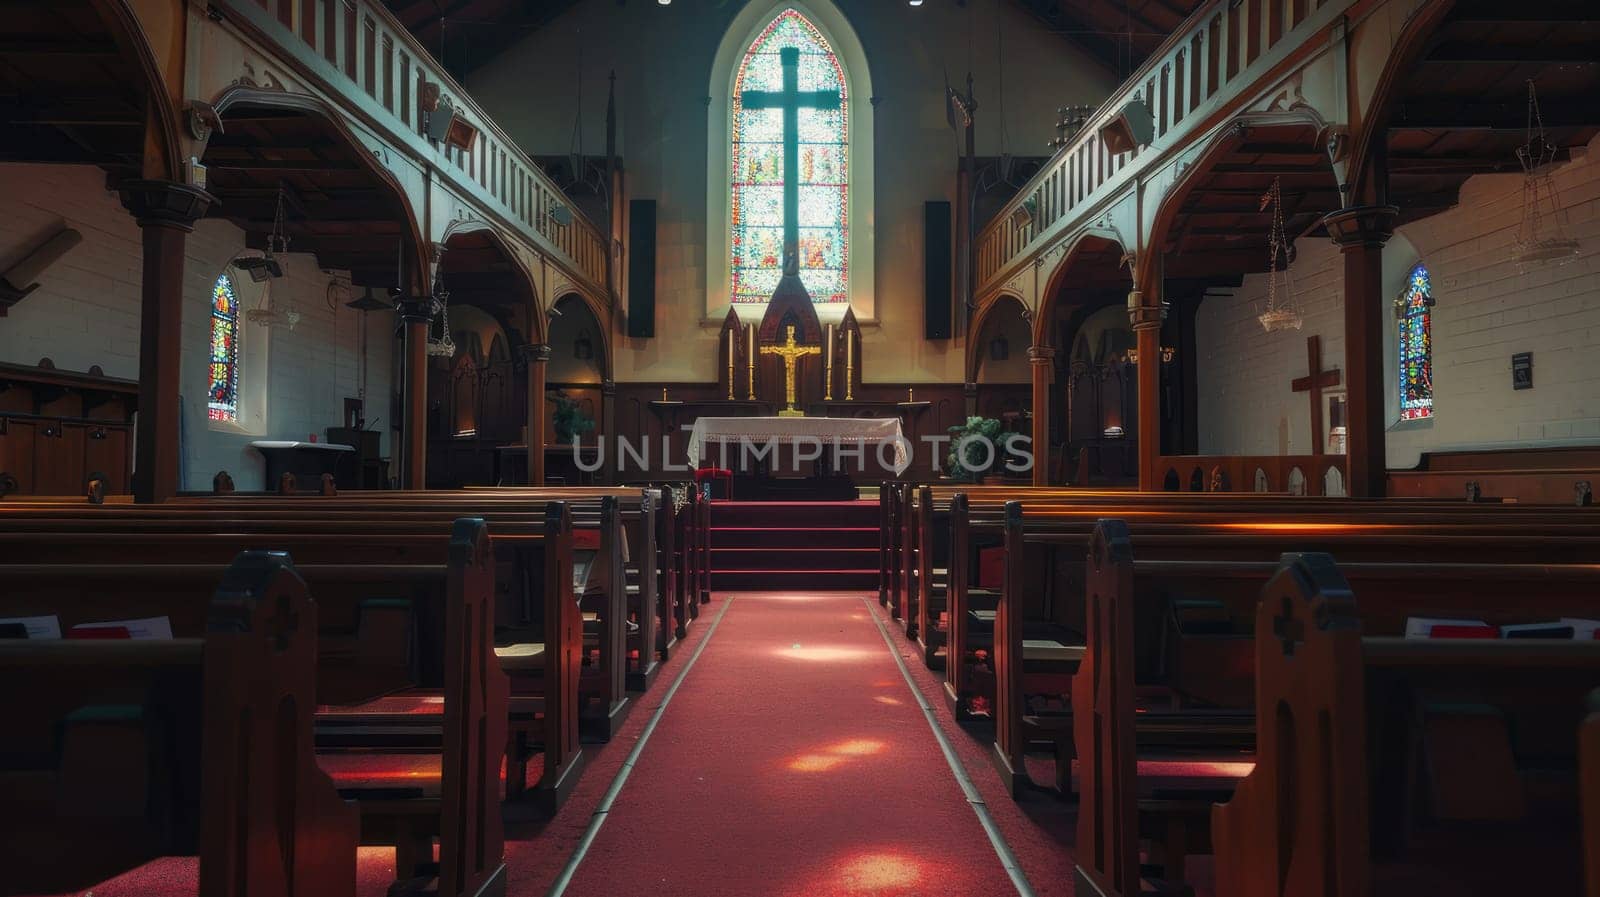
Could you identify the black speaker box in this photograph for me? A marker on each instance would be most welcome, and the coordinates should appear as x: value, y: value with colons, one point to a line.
x: 936, y: 275
x: 642, y: 268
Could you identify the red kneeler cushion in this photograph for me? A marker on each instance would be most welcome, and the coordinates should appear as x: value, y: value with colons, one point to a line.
x: 586, y: 538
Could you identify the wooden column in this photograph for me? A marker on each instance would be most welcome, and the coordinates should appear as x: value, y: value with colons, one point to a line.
x: 1361, y: 232
x: 166, y: 212
x: 1146, y: 316
x: 417, y: 312
x: 1043, y: 359
x: 608, y: 425
x: 537, y: 358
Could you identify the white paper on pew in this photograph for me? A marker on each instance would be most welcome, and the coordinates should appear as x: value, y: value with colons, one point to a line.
x: 1422, y: 627
x: 147, y: 628
x: 38, y: 628
x: 1582, y: 630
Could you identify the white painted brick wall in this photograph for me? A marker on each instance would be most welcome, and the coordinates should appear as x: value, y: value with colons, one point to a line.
x: 86, y: 312
x: 1487, y: 310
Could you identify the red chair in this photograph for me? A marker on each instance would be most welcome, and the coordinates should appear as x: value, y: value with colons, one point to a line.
x: 706, y: 479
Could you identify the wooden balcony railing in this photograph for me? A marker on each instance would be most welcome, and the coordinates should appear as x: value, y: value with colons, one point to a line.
x: 1207, y: 65
x: 359, y: 44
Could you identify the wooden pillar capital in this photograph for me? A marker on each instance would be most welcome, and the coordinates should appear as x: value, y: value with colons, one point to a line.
x: 534, y: 353
x: 1041, y: 355
x: 167, y: 204
x: 1361, y: 226
x: 1144, y: 314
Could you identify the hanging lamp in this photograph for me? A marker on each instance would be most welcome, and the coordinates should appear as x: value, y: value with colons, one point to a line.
x: 1281, y: 313
x: 1541, y: 239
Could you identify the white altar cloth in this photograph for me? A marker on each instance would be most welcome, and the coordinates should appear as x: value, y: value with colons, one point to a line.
x: 824, y: 431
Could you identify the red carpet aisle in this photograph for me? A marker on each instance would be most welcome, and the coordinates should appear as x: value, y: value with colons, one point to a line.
x: 794, y: 761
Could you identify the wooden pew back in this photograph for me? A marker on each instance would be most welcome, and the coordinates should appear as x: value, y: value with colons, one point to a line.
x: 1384, y: 764
x: 228, y: 717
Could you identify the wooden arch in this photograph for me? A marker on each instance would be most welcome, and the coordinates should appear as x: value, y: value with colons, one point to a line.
x: 1094, y: 245
x: 255, y: 98
x: 1301, y: 126
x: 980, y: 319
x: 602, y: 328
x: 162, y: 156
x: 538, y: 321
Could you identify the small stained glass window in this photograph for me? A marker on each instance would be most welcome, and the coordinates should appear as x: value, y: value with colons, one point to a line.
x: 223, y: 397
x: 822, y: 143
x: 1415, y: 312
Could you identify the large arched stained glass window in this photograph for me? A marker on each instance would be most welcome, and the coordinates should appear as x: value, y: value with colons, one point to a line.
x: 820, y: 140
x: 223, y: 396
x: 1414, y: 310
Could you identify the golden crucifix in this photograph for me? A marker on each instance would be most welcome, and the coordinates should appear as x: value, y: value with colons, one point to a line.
x: 791, y: 353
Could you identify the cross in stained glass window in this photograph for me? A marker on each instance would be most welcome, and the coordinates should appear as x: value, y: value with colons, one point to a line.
x: 790, y: 178
x: 791, y: 100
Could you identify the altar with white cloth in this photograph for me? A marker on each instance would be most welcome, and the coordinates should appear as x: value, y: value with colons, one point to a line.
x: 826, y: 432
x: 765, y: 448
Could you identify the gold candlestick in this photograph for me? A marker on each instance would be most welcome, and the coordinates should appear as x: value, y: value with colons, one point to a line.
x: 849, y: 365
x: 827, y: 368
x: 751, y: 355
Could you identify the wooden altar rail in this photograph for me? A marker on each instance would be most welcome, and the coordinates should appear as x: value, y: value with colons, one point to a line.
x: 1211, y: 62
x: 361, y: 43
x: 1240, y: 473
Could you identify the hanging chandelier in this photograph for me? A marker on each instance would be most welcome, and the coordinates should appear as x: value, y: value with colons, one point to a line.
x: 1540, y: 236
x: 266, y: 268
x: 442, y: 346
x: 1281, y: 312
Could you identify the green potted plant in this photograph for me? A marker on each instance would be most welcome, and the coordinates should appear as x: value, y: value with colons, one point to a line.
x: 569, y: 420
x: 974, y: 449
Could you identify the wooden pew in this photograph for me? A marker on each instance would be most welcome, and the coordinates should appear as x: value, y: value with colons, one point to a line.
x: 604, y: 702
x: 1400, y: 767
x: 449, y: 785
x: 1070, y: 520
x: 119, y: 752
x: 1111, y: 728
x: 535, y: 557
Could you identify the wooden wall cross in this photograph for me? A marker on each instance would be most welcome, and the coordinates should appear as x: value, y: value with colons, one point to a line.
x: 1315, y: 382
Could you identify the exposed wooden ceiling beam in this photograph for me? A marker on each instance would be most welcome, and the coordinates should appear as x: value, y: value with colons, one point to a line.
x: 282, y: 166
x: 1440, y: 115
x: 13, y: 46
x: 1553, y: 11
x: 1475, y: 53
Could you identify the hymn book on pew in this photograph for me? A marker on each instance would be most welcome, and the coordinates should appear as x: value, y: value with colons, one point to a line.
x: 46, y: 627
x: 1565, y: 628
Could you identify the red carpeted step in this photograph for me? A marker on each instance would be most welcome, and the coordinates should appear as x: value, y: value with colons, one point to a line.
x: 795, y: 558
x: 787, y: 537
x: 792, y: 545
x: 786, y: 580
x: 815, y: 514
